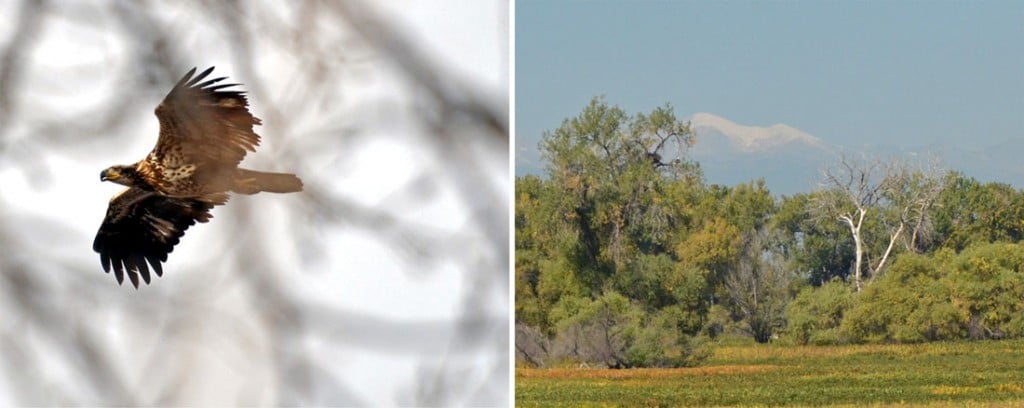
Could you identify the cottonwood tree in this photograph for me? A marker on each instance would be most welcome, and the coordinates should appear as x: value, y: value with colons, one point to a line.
x: 820, y: 250
x: 969, y: 211
x: 917, y: 195
x: 758, y: 288
x: 610, y: 171
x: 597, y: 268
x: 863, y: 190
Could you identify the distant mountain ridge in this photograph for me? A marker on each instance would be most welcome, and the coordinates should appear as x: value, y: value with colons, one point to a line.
x: 788, y: 158
x: 751, y: 138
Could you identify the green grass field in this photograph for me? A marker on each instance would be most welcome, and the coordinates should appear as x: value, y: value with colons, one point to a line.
x: 960, y: 374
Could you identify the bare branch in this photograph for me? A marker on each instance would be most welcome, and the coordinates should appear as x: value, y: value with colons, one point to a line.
x: 890, y: 192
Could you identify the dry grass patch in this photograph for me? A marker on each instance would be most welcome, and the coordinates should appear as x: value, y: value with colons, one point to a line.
x: 638, y: 373
x: 954, y: 374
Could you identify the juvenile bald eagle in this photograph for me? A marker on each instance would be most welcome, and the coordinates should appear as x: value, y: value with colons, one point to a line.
x: 205, y: 131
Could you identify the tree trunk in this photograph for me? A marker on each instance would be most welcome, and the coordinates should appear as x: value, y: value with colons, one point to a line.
x: 858, y: 245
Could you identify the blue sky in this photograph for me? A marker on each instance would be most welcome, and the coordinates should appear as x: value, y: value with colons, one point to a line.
x: 902, y: 74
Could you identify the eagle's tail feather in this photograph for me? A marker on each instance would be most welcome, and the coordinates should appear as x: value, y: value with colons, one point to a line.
x: 252, y: 182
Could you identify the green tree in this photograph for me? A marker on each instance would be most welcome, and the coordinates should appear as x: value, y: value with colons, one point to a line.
x: 819, y: 251
x: 729, y: 214
x: 758, y: 288
x: 597, y: 237
x: 971, y: 212
x: 609, y: 172
x: 986, y: 285
x: 814, y: 316
x: 528, y: 255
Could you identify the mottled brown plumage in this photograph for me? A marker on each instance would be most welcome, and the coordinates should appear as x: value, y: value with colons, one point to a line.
x: 205, y: 132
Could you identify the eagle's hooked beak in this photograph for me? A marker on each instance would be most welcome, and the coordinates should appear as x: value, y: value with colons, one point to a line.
x: 109, y: 174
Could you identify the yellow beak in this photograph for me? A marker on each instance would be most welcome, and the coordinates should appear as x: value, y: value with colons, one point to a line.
x: 109, y: 174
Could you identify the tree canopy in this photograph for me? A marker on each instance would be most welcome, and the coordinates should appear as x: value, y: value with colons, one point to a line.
x: 626, y: 256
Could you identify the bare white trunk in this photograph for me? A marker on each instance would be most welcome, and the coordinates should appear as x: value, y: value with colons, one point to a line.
x: 858, y: 244
x: 885, y: 256
x: 890, y: 188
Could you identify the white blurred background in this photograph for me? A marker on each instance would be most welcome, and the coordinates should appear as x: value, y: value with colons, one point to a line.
x: 384, y: 283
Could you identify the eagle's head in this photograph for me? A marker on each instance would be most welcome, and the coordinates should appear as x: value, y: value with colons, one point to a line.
x: 120, y: 174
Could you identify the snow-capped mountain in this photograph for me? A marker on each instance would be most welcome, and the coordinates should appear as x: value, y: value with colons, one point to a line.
x: 751, y: 139
x: 788, y: 158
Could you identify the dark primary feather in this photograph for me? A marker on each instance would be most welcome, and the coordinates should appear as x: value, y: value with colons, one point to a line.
x: 143, y: 227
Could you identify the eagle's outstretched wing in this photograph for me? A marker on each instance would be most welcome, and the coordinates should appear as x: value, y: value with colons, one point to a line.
x: 203, y: 124
x: 142, y: 226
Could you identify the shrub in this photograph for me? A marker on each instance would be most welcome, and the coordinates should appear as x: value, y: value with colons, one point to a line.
x: 601, y: 330
x: 903, y: 305
x: 815, y: 314
x: 661, y: 343
x: 987, y: 287
x: 614, y: 332
x: 975, y: 294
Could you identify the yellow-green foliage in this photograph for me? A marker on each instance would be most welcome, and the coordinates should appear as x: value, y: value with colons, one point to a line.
x: 975, y: 294
x: 815, y: 314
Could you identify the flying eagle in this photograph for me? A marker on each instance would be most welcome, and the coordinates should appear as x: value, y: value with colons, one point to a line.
x: 205, y: 131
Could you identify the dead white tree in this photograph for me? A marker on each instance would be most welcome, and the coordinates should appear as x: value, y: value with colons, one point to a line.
x: 918, y: 196
x: 856, y: 190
